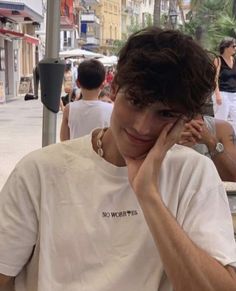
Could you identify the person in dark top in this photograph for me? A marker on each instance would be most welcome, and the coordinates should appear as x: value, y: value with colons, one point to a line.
x: 224, y: 99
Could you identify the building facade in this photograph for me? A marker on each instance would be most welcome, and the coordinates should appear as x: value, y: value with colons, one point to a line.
x: 100, y: 24
x: 18, y: 43
x: 69, y: 24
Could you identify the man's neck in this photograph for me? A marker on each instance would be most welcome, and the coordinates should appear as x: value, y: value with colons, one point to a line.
x: 90, y: 94
x: 111, y: 152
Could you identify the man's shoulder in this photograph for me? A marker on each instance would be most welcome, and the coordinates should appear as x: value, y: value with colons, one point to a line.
x: 186, y: 162
x: 187, y: 155
x: 56, y: 153
x: 181, y: 150
x: 75, y: 104
x: 224, y: 129
x: 222, y: 123
x: 107, y: 105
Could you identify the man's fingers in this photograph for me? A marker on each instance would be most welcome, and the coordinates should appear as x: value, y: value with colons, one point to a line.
x: 194, y: 125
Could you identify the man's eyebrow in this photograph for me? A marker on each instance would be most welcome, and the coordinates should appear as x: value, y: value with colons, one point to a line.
x: 233, y: 137
x: 176, y: 111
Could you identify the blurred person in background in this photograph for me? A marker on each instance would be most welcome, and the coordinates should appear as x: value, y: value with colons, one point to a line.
x: 81, y: 116
x: 224, y: 99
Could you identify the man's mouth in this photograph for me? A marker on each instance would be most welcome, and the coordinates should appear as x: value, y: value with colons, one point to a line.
x: 138, y: 139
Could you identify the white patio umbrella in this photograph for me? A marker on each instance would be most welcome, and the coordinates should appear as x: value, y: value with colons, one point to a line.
x: 79, y: 53
x: 108, y: 60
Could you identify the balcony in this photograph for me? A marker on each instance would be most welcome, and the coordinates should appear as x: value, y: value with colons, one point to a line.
x: 90, y: 2
x: 19, y: 12
x: 92, y: 40
x: 136, y: 9
x: 89, y: 17
x: 127, y: 9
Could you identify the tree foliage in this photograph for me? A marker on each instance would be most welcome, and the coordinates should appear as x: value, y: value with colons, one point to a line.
x: 134, y: 26
x: 211, y: 21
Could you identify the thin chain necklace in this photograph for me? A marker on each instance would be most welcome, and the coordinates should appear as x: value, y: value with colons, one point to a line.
x: 99, y: 141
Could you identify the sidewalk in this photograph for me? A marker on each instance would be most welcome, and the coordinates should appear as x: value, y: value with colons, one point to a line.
x: 20, y: 132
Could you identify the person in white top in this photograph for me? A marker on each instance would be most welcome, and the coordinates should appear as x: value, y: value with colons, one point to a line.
x: 81, y: 116
x: 125, y: 208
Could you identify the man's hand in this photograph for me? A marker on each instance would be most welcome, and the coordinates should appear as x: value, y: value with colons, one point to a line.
x: 192, y: 132
x: 195, y: 132
x: 143, y: 173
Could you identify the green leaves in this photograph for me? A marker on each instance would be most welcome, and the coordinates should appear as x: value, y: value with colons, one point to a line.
x: 211, y: 21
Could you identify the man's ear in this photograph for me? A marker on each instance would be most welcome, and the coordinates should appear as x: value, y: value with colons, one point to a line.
x: 113, y: 92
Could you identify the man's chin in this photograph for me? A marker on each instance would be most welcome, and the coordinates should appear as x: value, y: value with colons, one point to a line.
x: 137, y: 156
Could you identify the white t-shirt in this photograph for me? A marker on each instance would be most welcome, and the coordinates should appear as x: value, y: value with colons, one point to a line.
x: 85, y: 115
x: 87, y: 227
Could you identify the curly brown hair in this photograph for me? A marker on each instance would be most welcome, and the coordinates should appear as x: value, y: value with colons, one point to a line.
x: 166, y: 66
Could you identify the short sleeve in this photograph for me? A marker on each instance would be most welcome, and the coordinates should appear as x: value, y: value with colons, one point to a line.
x: 208, y: 223
x: 18, y: 222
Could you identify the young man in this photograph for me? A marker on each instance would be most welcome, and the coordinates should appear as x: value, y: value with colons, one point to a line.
x: 125, y: 208
x: 81, y: 116
x: 215, y: 139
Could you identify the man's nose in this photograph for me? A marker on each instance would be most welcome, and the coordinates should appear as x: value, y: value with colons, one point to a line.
x: 143, y: 122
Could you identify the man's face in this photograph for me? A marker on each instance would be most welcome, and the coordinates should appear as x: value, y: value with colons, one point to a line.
x: 136, y: 129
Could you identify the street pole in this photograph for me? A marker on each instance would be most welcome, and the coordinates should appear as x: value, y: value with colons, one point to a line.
x: 52, y: 51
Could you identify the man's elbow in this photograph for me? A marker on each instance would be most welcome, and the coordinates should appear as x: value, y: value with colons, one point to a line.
x: 230, y: 177
x: 63, y: 137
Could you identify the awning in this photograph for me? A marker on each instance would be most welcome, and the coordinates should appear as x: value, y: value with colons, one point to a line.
x: 31, y: 39
x: 6, y: 8
x: 15, y: 34
x: 11, y: 33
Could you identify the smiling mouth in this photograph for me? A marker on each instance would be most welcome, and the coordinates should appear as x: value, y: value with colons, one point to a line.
x: 138, y: 139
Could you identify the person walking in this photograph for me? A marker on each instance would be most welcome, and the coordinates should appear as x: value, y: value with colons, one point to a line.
x: 66, y: 87
x: 224, y: 99
x: 125, y: 207
x: 76, y: 89
x: 81, y: 116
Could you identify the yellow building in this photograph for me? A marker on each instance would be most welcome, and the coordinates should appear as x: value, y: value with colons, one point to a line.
x: 109, y: 13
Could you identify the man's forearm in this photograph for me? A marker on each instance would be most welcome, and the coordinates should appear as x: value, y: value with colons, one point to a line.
x: 188, y: 267
x: 5, y: 281
x: 226, y: 166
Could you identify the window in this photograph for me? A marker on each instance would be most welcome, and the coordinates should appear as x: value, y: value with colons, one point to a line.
x: 2, y: 59
x: 15, y: 60
x: 110, y: 32
x: 105, y: 6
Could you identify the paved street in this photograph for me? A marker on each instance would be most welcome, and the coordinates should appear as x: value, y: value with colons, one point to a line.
x: 20, y: 132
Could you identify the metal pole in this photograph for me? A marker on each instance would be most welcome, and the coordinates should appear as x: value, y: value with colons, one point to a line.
x: 52, y: 51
